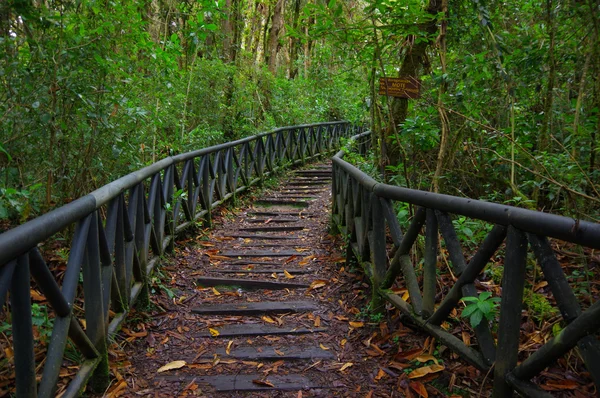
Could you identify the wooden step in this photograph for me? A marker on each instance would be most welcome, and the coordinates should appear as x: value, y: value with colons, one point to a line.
x: 264, y: 307
x: 298, y: 213
x: 254, y: 329
x: 267, y: 228
x: 290, y: 353
x: 281, y: 202
x: 259, y: 253
x: 292, y: 271
x: 246, y: 382
x: 248, y: 283
x: 262, y: 237
x: 271, y: 220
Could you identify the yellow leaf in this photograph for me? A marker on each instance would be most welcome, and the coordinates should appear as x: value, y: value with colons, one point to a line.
x: 216, y: 292
x: 323, y: 347
x: 317, y: 321
x: 426, y: 357
x: 343, y: 342
x: 346, y: 366
x: 213, y: 332
x: 319, y: 283
x: 274, y: 275
x: 228, y: 349
x: 280, y: 353
x: 171, y: 366
x: 425, y: 370
x: 288, y: 275
x: 268, y: 319
x: 356, y: 324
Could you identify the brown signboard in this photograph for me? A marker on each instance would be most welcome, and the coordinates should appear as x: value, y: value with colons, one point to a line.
x: 402, y: 87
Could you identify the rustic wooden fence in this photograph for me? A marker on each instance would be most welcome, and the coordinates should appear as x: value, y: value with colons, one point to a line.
x: 363, y: 209
x: 120, y: 232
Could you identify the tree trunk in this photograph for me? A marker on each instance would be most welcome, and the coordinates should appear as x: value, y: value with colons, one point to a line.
x: 295, y: 42
x: 414, y: 61
x: 274, y: 33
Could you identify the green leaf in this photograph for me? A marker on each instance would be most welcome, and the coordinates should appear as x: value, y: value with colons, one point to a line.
x: 476, y: 318
x: 484, y: 296
x: 484, y: 306
x: 468, y: 310
x: 470, y: 298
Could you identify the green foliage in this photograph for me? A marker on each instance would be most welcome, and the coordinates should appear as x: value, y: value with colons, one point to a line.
x: 479, y: 308
x: 471, y: 232
x: 538, y: 306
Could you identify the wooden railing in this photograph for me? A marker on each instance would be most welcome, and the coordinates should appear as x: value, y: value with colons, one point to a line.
x: 363, y: 210
x: 120, y: 232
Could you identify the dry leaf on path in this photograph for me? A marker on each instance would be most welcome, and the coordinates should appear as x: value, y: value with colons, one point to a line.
x: 346, y: 366
x: 266, y: 383
x: 288, y: 275
x: 419, y: 388
x: 356, y: 325
x: 228, y: 349
x: 426, y: 357
x: 171, y: 366
x: 268, y: 319
x: 319, y: 283
x: 214, y: 332
x: 216, y: 292
x: 424, y: 371
x: 323, y: 347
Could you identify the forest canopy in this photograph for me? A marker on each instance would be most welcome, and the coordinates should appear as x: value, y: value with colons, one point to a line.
x: 508, y: 109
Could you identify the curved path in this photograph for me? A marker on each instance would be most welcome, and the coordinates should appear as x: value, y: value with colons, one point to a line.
x: 260, y: 306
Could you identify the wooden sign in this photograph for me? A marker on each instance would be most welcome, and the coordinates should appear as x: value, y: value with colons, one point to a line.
x: 401, y: 87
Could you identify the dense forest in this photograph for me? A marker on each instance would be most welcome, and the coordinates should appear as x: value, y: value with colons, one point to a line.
x: 508, y: 111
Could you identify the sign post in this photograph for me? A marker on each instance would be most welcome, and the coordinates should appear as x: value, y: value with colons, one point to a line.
x: 401, y: 87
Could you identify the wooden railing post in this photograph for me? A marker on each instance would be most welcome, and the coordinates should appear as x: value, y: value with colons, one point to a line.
x: 513, y: 282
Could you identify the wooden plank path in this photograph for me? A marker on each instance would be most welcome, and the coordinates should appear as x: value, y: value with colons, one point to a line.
x: 247, y: 317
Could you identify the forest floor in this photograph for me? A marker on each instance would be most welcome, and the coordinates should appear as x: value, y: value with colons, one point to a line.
x: 249, y: 308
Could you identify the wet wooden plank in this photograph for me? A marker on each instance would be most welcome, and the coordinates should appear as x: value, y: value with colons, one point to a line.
x: 281, y: 202
x: 278, y: 271
x: 266, y: 353
x: 264, y: 307
x: 260, y: 253
x: 248, y: 283
x: 258, y: 330
x: 302, y: 213
x: 239, y: 382
x: 262, y: 237
x: 271, y: 220
x: 268, y: 228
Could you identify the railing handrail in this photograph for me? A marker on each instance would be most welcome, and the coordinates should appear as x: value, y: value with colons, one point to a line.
x: 121, y: 232
x: 556, y: 226
x: 24, y: 237
x: 363, y: 210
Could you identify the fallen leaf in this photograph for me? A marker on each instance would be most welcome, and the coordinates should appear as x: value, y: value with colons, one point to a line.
x: 346, y: 366
x: 266, y: 383
x: 419, y: 388
x: 425, y: 370
x: 288, y: 275
x: 553, y: 385
x: 343, y: 342
x: 425, y: 358
x: 381, y: 374
x: 228, y: 349
x: 268, y: 319
x: 317, y: 321
x: 171, y: 366
x: 213, y: 332
x: 274, y: 275
x: 205, y: 244
x: 216, y: 292
x: 319, y: 283
x: 280, y: 353
x: 323, y: 347
x: 356, y: 325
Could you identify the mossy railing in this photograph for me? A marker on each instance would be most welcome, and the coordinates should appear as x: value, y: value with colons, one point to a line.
x: 363, y: 210
x: 121, y: 231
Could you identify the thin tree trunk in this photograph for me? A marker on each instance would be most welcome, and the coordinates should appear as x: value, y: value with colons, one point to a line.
x: 274, y: 33
x: 444, y: 122
x: 544, y: 137
x: 295, y: 41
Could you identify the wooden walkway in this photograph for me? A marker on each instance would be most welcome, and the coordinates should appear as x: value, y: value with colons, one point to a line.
x: 250, y: 309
